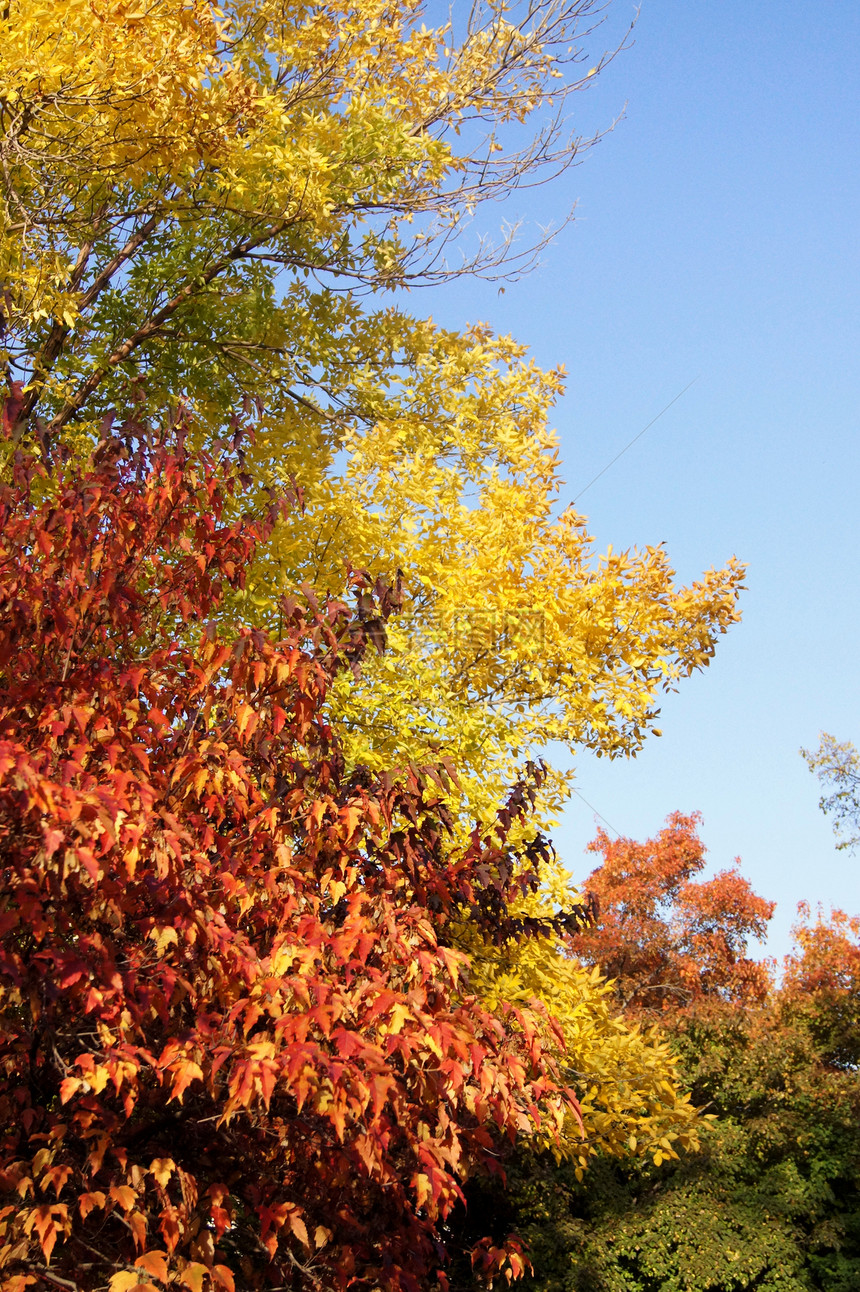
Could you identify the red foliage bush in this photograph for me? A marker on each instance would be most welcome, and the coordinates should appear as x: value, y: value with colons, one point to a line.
x: 235, y: 1044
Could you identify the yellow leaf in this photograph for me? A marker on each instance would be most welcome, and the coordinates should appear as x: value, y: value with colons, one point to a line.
x: 162, y: 1168
x: 163, y: 938
x: 128, y: 1281
x: 193, y: 1276
x: 423, y: 1189
x: 399, y: 1015
x: 98, y: 1078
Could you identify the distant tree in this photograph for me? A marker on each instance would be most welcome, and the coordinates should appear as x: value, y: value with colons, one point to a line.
x: 666, y: 938
x: 825, y: 968
x: 837, y: 766
x: 772, y: 1201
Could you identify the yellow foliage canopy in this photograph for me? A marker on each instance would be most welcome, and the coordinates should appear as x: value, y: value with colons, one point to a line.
x: 625, y: 1077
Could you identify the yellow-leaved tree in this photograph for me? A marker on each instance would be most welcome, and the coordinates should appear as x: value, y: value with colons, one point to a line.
x: 220, y: 208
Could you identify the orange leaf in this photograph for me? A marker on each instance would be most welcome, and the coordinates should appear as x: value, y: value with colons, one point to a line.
x: 56, y: 1176
x: 220, y: 1215
x: 169, y: 1228
x: 122, y: 1194
x: 68, y: 1087
x: 162, y: 1168
x: 137, y: 1220
x: 297, y: 1225
x: 517, y: 1264
x: 350, y: 817
x: 43, y: 1220
x: 245, y: 718
x: 155, y: 1263
x: 88, y: 1201
x: 185, y: 1073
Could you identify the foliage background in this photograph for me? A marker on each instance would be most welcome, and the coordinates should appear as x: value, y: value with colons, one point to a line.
x: 772, y: 1202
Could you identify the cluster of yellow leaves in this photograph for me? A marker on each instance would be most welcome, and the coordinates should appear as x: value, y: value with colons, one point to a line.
x: 514, y: 635
x: 94, y: 95
x: 310, y: 133
x: 194, y: 199
x: 624, y: 1076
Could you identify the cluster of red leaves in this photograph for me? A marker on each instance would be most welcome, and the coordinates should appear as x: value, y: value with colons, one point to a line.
x: 665, y: 937
x: 235, y: 1049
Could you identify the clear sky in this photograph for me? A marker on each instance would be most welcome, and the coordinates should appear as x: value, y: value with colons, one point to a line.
x: 717, y: 238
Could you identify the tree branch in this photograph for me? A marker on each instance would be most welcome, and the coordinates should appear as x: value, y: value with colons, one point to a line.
x: 53, y: 347
x: 156, y: 323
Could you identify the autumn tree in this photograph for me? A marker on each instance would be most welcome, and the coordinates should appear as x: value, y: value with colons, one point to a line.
x: 824, y: 968
x: 666, y: 937
x: 239, y: 1036
x: 209, y: 207
x: 235, y: 1041
x: 772, y: 1199
x: 837, y: 766
x: 630, y: 1096
x: 220, y: 211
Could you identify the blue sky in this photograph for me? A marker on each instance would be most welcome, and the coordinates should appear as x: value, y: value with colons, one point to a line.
x: 716, y: 238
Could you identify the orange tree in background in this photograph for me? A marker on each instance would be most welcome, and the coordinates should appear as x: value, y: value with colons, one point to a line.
x: 822, y: 983
x: 667, y: 938
x: 772, y: 1200
x: 236, y: 1046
